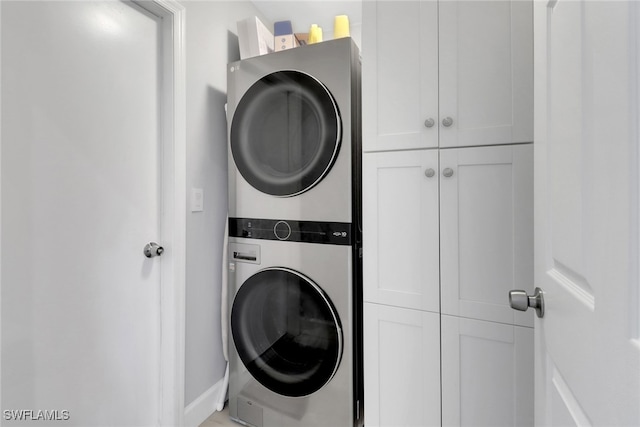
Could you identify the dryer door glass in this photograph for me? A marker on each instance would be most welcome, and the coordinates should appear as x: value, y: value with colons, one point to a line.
x: 286, y: 332
x: 285, y: 133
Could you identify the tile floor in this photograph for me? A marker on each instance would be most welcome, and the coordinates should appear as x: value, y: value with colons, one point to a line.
x: 220, y: 419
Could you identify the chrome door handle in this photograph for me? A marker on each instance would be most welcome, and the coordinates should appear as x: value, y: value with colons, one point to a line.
x: 429, y: 123
x: 152, y: 249
x: 519, y: 300
x: 447, y: 121
x: 447, y: 173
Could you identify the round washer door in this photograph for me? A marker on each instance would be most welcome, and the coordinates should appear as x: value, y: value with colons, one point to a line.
x: 286, y: 332
x: 285, y: 133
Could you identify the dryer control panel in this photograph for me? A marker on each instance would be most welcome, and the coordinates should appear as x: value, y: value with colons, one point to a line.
x: 333, y: 233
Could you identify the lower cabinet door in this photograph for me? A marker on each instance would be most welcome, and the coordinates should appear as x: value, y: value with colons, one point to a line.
x: 401, y: 366
x: 487, y: 373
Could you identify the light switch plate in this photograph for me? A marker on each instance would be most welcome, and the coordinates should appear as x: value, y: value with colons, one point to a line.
x: 197, y: 200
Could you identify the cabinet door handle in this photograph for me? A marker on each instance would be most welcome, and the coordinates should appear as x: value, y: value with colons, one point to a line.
x: 429, y: 173
x: 447, y: 173
x: 429, y: 123
x: 447, y: 121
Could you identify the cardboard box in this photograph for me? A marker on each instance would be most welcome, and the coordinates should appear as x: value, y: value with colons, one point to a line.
x: 302, y: 38
x: 254, y: 38
x: 284, y: 42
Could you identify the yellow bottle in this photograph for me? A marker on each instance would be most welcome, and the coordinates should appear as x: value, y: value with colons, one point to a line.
x: 315, y: 34
x: 341, y: 26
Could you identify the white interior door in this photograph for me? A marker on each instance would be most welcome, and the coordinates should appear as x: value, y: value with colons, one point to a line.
x: 586, y: 213
x: 82, y: 193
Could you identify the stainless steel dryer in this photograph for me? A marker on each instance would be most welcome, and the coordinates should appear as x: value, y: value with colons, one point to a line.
x: 294, y: 129
x: 295, y: 341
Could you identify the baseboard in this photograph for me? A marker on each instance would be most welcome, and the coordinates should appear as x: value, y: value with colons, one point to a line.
x: 204, y: 405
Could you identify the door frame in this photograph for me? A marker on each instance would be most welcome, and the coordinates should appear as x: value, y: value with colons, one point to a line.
x: 173, y: 216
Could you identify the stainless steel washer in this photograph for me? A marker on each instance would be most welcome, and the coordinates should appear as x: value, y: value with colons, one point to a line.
x: 294, y: 336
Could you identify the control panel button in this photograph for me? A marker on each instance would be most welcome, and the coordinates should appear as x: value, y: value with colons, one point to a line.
x: 282, y: 230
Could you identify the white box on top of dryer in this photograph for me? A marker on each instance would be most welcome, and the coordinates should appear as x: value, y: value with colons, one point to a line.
x: 254, y: 38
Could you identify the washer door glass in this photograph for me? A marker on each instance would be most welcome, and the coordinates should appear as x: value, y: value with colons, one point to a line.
x: 286, y: 133
x: 286, y: 332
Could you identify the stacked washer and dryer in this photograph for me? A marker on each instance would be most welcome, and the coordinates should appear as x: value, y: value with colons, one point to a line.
x: 295, y: 259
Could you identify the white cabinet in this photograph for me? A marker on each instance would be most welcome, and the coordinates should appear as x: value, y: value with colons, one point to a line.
x: 486, y: 227
x: 448, y: 73
x: 401, y: 249
x: 401, y: 367
x: 487, y: 373
x: 448, y: 231
x: 447, y: 210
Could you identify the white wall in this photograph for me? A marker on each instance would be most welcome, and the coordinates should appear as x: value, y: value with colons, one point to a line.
x: 211, y: 44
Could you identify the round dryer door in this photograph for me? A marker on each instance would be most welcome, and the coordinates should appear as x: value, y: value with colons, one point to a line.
x: 285, y: 133
x: 286, y: 332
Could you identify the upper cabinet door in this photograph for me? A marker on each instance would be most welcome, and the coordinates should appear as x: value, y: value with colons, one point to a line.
x: 486, y: 231
x: 401, y: 259
x: 400, y: 75
x: 486, y: 72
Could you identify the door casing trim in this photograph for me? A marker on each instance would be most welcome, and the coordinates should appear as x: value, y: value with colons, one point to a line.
x: 173, y: 274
